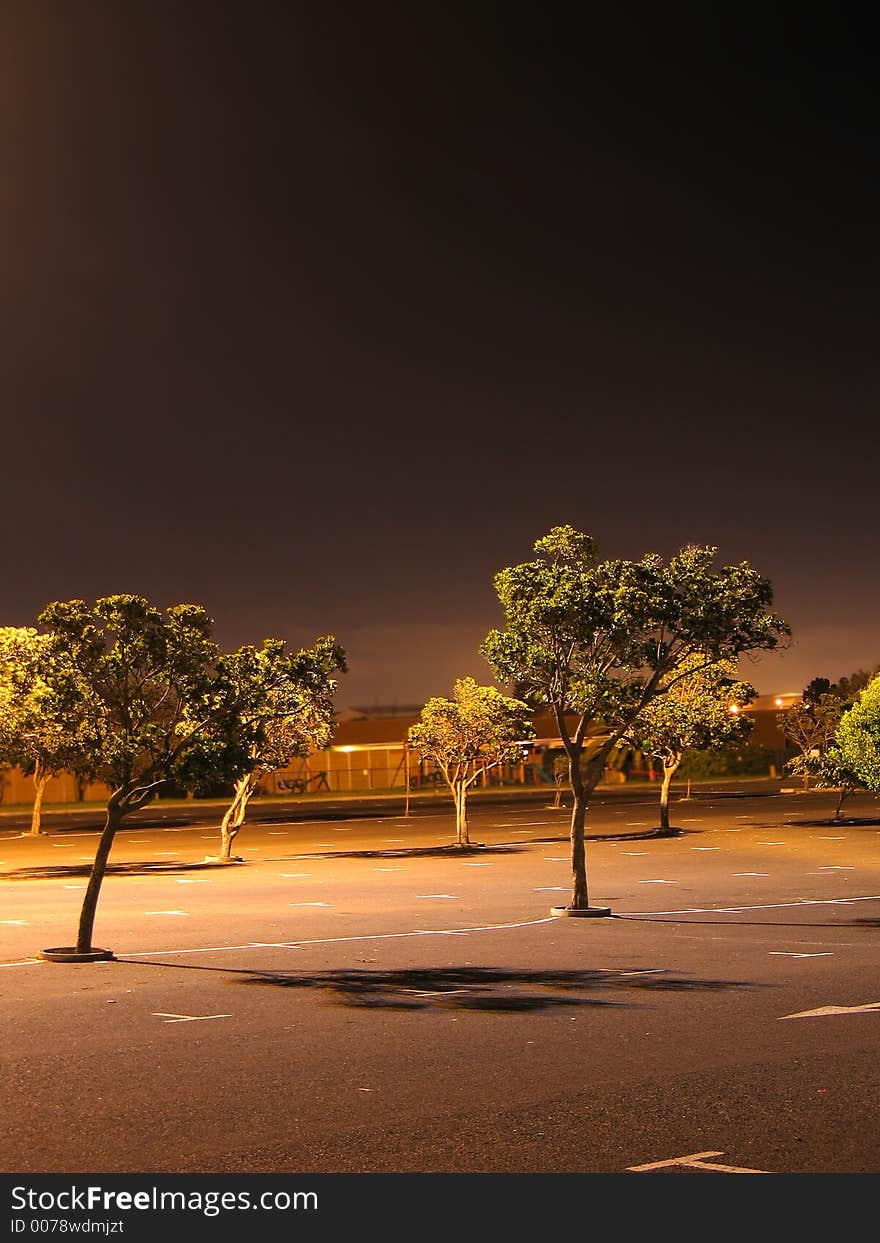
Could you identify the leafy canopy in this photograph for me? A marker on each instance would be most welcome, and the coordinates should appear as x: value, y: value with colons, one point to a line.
x: 40, y: 726
x: 479, y: 723
x: 701, y: 710
x: 284, y: 700
x: 858, y: 738
x: 148, y: 688
x: 602, y: 638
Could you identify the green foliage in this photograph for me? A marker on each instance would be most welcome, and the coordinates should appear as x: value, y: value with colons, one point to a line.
x: 479, y: 724
x: 40, y: 725
x: 148, y: 690
x: 603, y: 639
x: 857, y: 744
x: 284, y: 701
x: 700, y: 711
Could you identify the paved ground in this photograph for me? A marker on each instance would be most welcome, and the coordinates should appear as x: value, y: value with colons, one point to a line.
x: 356, y: 999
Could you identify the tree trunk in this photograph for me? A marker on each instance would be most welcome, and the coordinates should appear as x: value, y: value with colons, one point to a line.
x: 41, y: 778
x: 461, y: 820
x: 579, y: 896
x: 670, y: 767
x: 235, y: 814
x: 90, y: 901
x: 845, y: 792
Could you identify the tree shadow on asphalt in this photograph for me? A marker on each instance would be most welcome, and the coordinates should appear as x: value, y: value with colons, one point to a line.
x: 485, y: 988
x: 142, y: 867
x: 414, y: 852
x: 828, y: 822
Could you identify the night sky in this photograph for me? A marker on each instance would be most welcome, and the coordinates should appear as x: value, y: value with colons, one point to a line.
x: 320, y: 314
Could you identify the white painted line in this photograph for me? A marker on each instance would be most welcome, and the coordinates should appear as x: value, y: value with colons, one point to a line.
x: 793, y: 954
x: 377, y: 936
x: 771, y: 843
x: 195, y: 880
x: 476, y: 865
x: 639, y: 824
x: 16, y: 923
x: 389, y: 869
x: 278, y: 832
x: 308, y: 904
x: 751, y: 874
x: 165, y: 912
x: 438, y: 895
x: 62, y: 845
x: 696, y: 1161
x: 388, y: 840
x: 168, y: 852
x: 294, y: 875
x: 837, y: 867
x: 137, y: 841
x: 188, y: 1018
x: 556, y: 859
x: 25, y: 962
x: 692, y: 819
x: 763, y: 906
x: 828, y: 839
x: 871, y: 1008
x: 705, y: 847
x: 74, y: 886
x: 552, y: 889
x: 634, y: 854
x: 658, y: 882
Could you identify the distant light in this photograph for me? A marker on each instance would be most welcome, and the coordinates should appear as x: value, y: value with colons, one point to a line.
x: 779, y: 703
x: 734, y: 708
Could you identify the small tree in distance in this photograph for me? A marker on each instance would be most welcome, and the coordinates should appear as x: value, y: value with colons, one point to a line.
x: 811, y: 726
x: 40, y: 729
x: 701, y: 711
x: 478, y: 730
x: 285, y: 704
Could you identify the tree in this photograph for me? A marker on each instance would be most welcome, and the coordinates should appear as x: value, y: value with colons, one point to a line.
x: 154, y: 704
x: 285, y: 704
x: 701, y: 710
x: 601, y: 640
x: 857, y: 743
x: 40, y: 729
x: 811, y: 726
x: 479, y: 729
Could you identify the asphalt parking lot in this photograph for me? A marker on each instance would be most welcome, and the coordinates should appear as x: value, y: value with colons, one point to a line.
x: 358, y: 998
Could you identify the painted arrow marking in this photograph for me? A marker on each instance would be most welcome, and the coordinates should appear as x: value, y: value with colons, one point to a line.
x: 872, y: 1006
x: 188, y: 1018
x: 695, y: 1161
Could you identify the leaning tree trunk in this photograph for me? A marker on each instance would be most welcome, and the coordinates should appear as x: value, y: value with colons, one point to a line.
x: 99, y: 867
x: 41, y: 778
x: 845, y: 792
x: 235, y: 814
x: 670, y: 767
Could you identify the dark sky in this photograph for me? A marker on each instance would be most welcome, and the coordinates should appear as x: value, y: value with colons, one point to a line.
x: 319, y: 314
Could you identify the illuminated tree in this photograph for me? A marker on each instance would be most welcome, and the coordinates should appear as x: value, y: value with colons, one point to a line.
x: 700, y: 711
x: 478, y: 730
x: 154, y: 705
x: 602, y: 640
x: 285, y: 706
x: 40, y: 729
x: 857, y: 744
